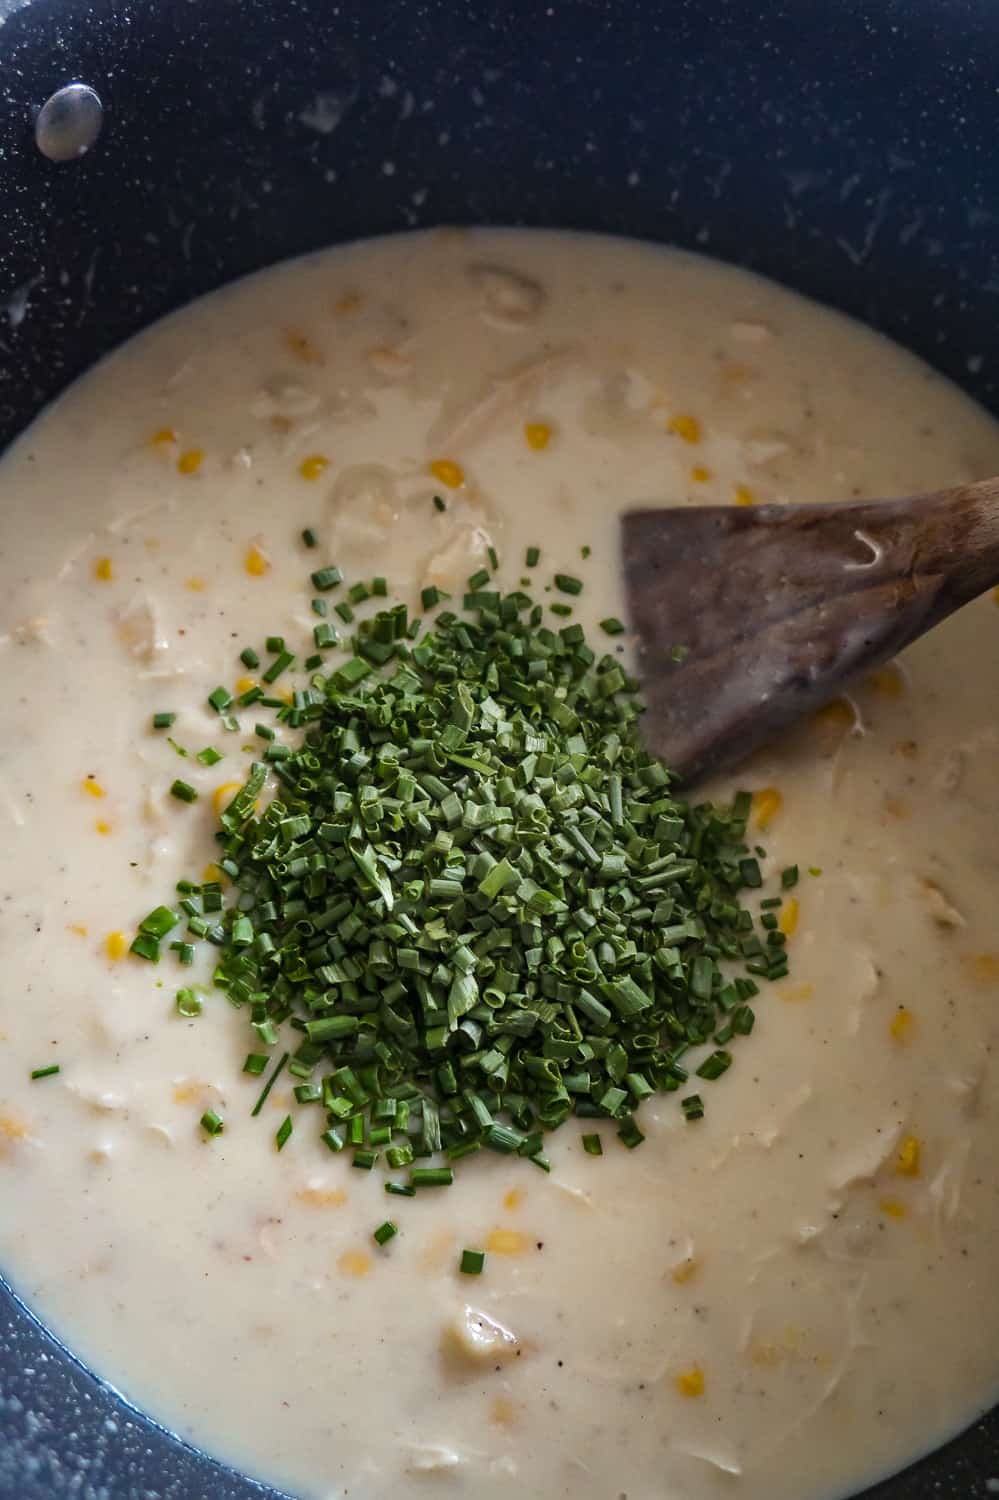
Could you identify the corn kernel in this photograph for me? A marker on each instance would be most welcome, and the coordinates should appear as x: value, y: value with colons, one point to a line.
x: 190, y: 460
x: 223, y: 795
x: 888, y: 681
x: 907, y: 1164
x: 354, y: 1263
x: 538, y: 435
x: 245, y: 684
x: 691, y: 1382
x: 195, y: 584
x: 303, y: 348
x: 116, y: 945
x: 313, y: 466
x: 983, y: 968
x: 506, y: 1242
x: 211, y: 873
x: 686, y: 1270
x: 892, y: 1208
x: 163, y: 437
x: 104, y: 569
x: 102, y: 825
x: 744, y: 495
x: 514, y: 1198
x: 795, y: 994
x: 348, y: 303
x: 91, y: 787
x: 787, y: 921
x: 448, y: 472
x: 838, y: 716
x: 700, y: 474
x: 767, y: 804
x: 501, y: 1412
x: 255, y: 563
x: 79, y: 928
x: 686, y: 427
x: 902, y: 1024
x: 323, y: 1197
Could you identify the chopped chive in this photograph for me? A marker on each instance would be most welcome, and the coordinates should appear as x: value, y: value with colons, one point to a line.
x: 592, y: 1145
x: 309, y: 536
x: 345, y: 612
x: 612, y: 626
x: 249, y: 658
x: 144, y: 946
x: 256, y: 1063
x: 178, y: 749
x: 585, y: 552
x: 188, y: 1003
x: 693, y: 1107
x: 209, y: 756
x: 400, y: 1189
x: 472, y: 1262
x: 431, y: 1177
x: 284, y: 1131
x: 385, y: 1232
x: 565, y: 610
x: 532, y: 556
x: 220, y: 699
x: 183, y: 791
x: 567, y: 584
x: 48, y: 1072
x: 164, y: 720
x: 326, y: 578
x: 439, y: 503
x: 715, y: 1065
x: 789, y: 877
x: 212, y: 1123
x: 280, y: 664
x: 325, y: 635
x: 269, y: 1085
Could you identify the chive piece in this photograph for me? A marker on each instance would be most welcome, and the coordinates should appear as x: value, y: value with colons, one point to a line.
x: 325, y: 579
x: 48, y: 1072
x: 274, y: 644
x: 220, y: 699
x: 144, y: 946
x: 592, y: 1145
x: 472, y: 1262
x: 159, y: 922
x: 188, y: 1003
x: 345, y: 612
x: 789, y: 877
x: 385, y: 1232
x: 178, y: 749
x: 693, y: 1107
x: 212, y: 1123
x: 439, y: 503
x: 268, y: 1086
x: 256, y: 1063
x: 325, y: 635
x: 183, y: 791
x: 283, y: 1135
x: 585, y: 551
x: 209, y: 756
x: 164, y: 720
x: 532, y: 557
x: 567, y: 584
x: 309, y: 536
x: 630, y: 1134
x: 431, y: 1177
x: 249, y: 658
x: 280, y: 664
x: 715, y: 1065
x: 612, y: 626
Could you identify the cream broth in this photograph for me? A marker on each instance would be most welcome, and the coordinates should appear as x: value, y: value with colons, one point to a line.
x: 785, y: 1299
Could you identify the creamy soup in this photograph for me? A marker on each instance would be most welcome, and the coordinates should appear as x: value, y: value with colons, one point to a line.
x: 787, y: 1298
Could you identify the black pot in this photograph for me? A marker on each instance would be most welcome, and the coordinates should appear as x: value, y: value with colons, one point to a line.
x: 847, y: 150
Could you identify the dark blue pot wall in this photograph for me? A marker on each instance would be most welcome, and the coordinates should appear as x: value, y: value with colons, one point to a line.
x: 847, y: 149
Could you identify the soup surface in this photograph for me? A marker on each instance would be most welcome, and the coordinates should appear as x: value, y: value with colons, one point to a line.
x: 785, y: 1299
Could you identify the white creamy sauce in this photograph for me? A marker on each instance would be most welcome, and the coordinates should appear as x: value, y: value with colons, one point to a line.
x: 785, y: 1299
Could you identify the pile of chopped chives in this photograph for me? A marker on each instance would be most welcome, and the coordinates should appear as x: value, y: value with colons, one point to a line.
x: 473, y: 906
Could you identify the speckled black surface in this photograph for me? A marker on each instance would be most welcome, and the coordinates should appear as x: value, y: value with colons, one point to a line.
x: 846, y: 149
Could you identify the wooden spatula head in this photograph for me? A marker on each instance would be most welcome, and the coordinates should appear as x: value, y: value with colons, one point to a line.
x: 749, y: 618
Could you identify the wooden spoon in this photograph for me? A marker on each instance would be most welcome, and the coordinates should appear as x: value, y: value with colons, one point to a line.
x: 749, y: 618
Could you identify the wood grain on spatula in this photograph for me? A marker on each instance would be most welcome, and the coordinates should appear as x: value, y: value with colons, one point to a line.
x: 772, y: 609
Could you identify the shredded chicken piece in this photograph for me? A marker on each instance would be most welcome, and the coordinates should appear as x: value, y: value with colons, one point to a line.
x: 509, y: 298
